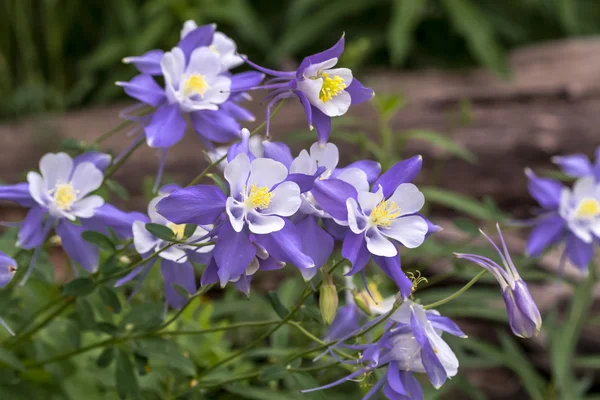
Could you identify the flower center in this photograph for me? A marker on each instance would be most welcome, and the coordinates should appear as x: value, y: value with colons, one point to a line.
x: 587, y: 208
x: 178, y: 230
x: 259, y: 197
x: 195, y: 84
x: 64, y: 195
x: 385, y: 213
x: 331, y: 87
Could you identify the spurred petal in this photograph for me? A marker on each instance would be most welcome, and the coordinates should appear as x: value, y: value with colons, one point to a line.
x: 322, y: 124
x: 110, y: 216
x: 285, y: 245
x: 331, y: 195
x: 546, y: 191
x: 30, y: 234
x: 401, y: 172
x: 333, y: 52
x: 547, y: 232
x: 200, y: 204
x: 579, y: 252
x: 145, y: 89
x: 233, y: 253
x: 576, y: 165
x: 316, y: 243
x: 147, y: 63
x: 354, y: 249
x: 246, y: 80
x: 19, y: 193
x: 200, y: 37
x: 166, y: 128
x: 359, y: 93
x: 78, y: 250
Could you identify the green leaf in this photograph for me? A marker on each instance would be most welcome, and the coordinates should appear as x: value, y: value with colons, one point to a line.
x: 98, y: 239
x: 189, y: 230
x: 117, y: 188
x: 406, y: 15
x: 459, y: 202
x: 520, y: 364
x: 272, y: 373
x: 9, y: 359
x: 388, y: 105
x: 106, y: 357
x: 180, y: 290
x: 219, y: 182
x: 443, y: 142
x: 79, y: 287
x: 160, y: 231
x: 110, y: 299
x: 143, y: 317
x: 160, y: 351
x: 126, y: 379
x: 247, y: 392
x: 472, y: 24
x: 466, y: 225
x: 85, y: 314
x: 278, y: 306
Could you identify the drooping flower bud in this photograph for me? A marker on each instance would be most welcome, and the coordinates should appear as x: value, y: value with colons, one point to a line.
x: 328, y: 299
x: 523, y: 314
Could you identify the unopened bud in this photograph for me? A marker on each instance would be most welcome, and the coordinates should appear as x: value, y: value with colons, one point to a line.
x: 125, y: 260
x: 363, y: 301
x: 328, y: 299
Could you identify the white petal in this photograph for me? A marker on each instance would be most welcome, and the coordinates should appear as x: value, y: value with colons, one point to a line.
x: 86, y: 178
x: 175, y: 254
x: 236, y: 174
x: 409, y: 230
x: 256, y: 146
x: 86, y: 207
x: 584, y: 187
x: 368, y: 201
x: 263, y: 224
x: 236, y: 212
x: 325, y: 155
x: 219, y: 90
x: 337, y: 106
x: 227, y: 50
x: 582, y: 232
x: 204, y: 61
x: 143, y: 240
x: 356, y: 177
x: 315, y: 69
x: 155, y: 217
x: 379, y: 245
x: 408, y: 197
x: 172, y: 65
x: 56, y: 168
x: 188, y: 26
x: 285, y: 201
x: 266, y: 172
x: 357, y: 221
x: 303, y: 164
x: 37, y: 188
x: 344, y: 73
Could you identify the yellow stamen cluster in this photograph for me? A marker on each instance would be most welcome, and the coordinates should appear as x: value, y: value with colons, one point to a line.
x: 588, y: 208
x: 331, y: 87
x: 416, y: 279
x: 385, y: 213
x: 64, y: 195
x: 178, y: 229
x: 195, y: 84
x: 259, y: 197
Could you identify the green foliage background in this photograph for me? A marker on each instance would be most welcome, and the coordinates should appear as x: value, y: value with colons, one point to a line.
x: 61, y: 54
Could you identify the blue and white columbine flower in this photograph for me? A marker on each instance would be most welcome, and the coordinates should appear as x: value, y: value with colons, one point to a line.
x: 523, y: 314
x: 259, y: 196
x: 323, y: 91
x: 567, y: 214
x: 61, y: 194
x: 175, y: 266
x: 221, y: 45
x: 412, y: 343
x: 8, y: 268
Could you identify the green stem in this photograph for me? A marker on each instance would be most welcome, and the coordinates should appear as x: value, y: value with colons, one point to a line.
x: 240, y: 377
x: 213, y: 164
x: 114, y: 167
x: 458, y: 293
x: 107, y: 135
x: 316, y: 339
x: 118, y: 340
x: 44, y: 322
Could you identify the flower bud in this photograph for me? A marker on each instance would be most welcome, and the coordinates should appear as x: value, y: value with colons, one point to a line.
x: 363, y: 301
x: 328, y: 300
x: 523, y: 315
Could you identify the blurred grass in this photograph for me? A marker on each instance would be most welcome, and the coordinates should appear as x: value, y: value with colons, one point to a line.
x: 62, y: 54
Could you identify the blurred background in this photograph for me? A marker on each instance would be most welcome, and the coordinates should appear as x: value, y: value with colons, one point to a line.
x: 481, y: 88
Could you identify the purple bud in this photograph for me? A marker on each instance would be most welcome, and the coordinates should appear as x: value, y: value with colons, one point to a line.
x: 523, y: 314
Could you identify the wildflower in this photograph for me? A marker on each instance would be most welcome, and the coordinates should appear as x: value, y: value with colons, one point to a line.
x: 523, y: 314
x: 8, y: 268
x: 378, y: 219
x: 175, y: 266
x: 579, y: 165
x: 323, y: 91
x: 60, y: 195
x: 412, y: 343
x: 572, y: 215
x: 197, y: 83
x: 255, y: 213
x: 252, y: 146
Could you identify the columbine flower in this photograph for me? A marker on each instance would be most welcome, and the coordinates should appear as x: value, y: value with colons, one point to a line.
x: 412, y: 343
x: 523, y: 314
x: 579, y: 165
x: 8, y: 268
x: 569, y: 214
x: 175, y: 267
x: 197, y: 83
x: 378, y: 219
x: 323, y: 91
x: 221, y: 45
x: 60, y: 194
x: 254, y: 214
x: 253, y: 144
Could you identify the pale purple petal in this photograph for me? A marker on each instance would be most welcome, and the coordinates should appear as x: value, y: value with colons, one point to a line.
x: 85, y: 208
x: 576, y: 165
x: 331, y: 195
x: 546, y: 191
x: 409, y: 198
x: 333, y: 52
x: 166, y: 128
x: 200, y: 205
x: 86, y: 178
x: 143, y: 240
x: 322, y: 124
x: 354, y: 249
x: 55, y: 168
x: 8, y: 267
x: 391, y: 267
x: 445, y: 324
x: 145, y: 89
x: 357, y: 221
x: 147, y: 63
x: 279, y: 152
x: 266, y: 172
x: 78, y: 250
x: 285, y: 245
x: 547, y: 232
x: 359, y: 93
x: 369, y: 167
x: 579, y: 252
x: 181, y: 274
x: 233, y: 253
x: 19, y: 193
x: 401, y: 172
x: 31, y: 233
x: 100, y: 160
x: 236, y: 174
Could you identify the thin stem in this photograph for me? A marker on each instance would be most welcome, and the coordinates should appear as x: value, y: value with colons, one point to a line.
x: 202, y: 290
x: 240, y: 377
x: 44, y: 322
x: 213, y: 164
x: 314, y: 368
x: 107, y: 135
x: 316, y: 339
x: 458, y: 293
x: 114, y: 167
